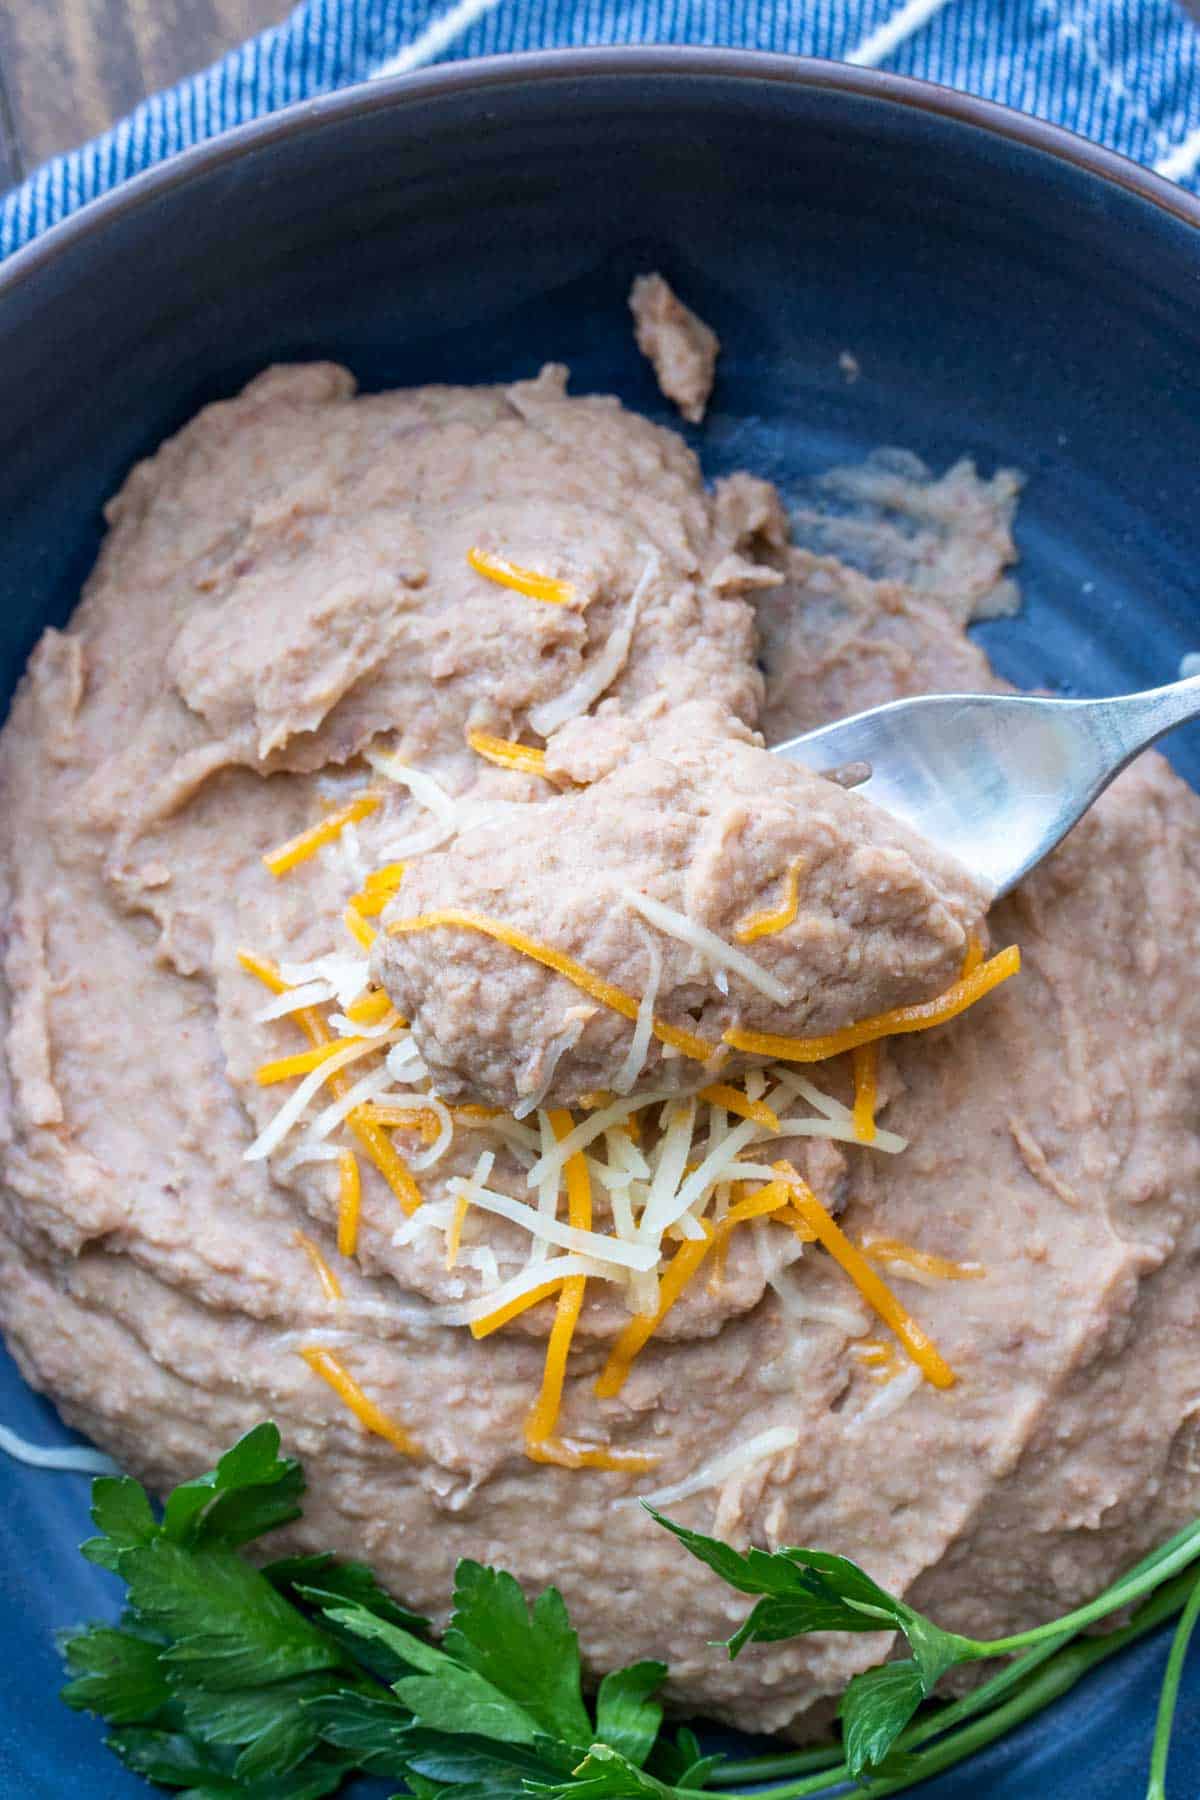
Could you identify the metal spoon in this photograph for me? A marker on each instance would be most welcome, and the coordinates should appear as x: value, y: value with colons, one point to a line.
x: 995, y: 780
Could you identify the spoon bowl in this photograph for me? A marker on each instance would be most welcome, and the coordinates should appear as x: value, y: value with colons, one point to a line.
x: 994, y: 780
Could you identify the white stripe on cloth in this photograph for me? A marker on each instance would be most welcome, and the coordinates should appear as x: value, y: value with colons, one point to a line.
x: 1181, y: 162
x: 435, y: 38
x: 895, y: 31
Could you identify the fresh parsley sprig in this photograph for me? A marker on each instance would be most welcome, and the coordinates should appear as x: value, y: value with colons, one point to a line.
x: 278, y: 1682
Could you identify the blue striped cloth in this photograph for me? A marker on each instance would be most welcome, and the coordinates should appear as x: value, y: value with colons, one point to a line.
x: 1126, y: 72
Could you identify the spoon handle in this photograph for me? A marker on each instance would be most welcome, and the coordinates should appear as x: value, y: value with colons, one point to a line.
x: 1135, y: 721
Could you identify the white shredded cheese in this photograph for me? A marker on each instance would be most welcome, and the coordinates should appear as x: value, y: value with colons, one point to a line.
x: 566, y: 1237
x: 712, y: 948
x: 635, y: 1056
x: 602, y: 671
x: 311, y: 994
x: 432, y: 1153
x: 711, y: 1474
x: 556, y: 1049
x: 366, y: 1089
x: 891, y: 1396
x: 468, y: 1312
x: 293, y: 1107
x: 75, y: 1459
x: 666, y: 1211
x: 427, y: 793
x: 587, y: 1131
x: 660, y: 1210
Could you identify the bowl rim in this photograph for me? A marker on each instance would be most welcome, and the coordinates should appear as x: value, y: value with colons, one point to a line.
x: 629, y: 62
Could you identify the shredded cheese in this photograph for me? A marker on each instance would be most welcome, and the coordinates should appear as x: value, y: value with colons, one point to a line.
x: 679, y: 1272
x: 566, y: 1237
x: 363, y: 934
x: 370, y: 1009
x: 298, y: 849
x: 285, y: 1067
x: 713, y: 948
x: 331, y: 1287
x: 731, y: 1462
x: 349, y: 1202
x: 454, y: 1236
x: 774, y: 918
x: 892, y: 1394
x: 541, y: 1423
x: 906, y: 1257
x: 387, y: 1159
x: 506, y: 754
x: 372, y: 1418
x: 974, y: 956
x: 500, y: 1315
x: 874, y: 1291
x: 75, y: 1459
x: 735, y: 1101
x: 922, y: 1017
x: 866, y: 1084
x: 550, y: 588
x: 686, y: 1042
x: 635, y: 1057
x: 378, y: 889
x: 601, y: 672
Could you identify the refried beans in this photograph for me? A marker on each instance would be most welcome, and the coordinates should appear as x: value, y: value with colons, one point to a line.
x: 501, y: 650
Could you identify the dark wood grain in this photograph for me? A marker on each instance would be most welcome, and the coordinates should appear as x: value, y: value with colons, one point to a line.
x: 69, y: 68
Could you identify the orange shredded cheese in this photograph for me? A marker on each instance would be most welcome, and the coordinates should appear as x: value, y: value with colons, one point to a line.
x: 678, y: 1273
x: 866, y: 1085
x: 349, y: 1202
x: 378, y: 1147
x: 369, y: 1009
x: 873, y: 1289
x: 542, y: 1444
x: 594, y: 985
x: 454, y: 1237
x: 734, y: 1100
x: 481, y: 1328
x: 956, y: 999
x: 307, y: 843
x: 331, y: 1287
x: 285, y: 1067
x: 525, y: 581
x: 363, y: 934
x: 421, y: 1119
x: 882, y: 1361
x: 570, y: 1454
x: 387, y: 1159
x: 893, y: 1250
x: 471, y: 1111
x: 506, y: 754
x: 332, y: 1369
x: 974, y: 956
x: 773, y: 918
x: 378, y: 889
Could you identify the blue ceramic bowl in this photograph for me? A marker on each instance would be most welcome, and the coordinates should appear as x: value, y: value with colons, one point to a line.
x: 1007, y: 289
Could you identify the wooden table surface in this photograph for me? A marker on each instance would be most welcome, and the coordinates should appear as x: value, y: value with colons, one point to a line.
x: 68, y: 68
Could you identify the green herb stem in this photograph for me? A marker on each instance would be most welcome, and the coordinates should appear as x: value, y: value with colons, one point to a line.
x: 1173, y: 1556
x: 1157, y: 1789
x: 1055, y: 1677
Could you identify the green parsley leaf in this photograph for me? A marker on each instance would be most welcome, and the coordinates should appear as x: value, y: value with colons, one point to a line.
x: 628, y: 1717
x: 123, y: 1514
x: 252, y: 1490
x: 231, y: 1629
x: 530, y: 1655
x: 443, y: 1695
x: 270, y: 1725
x: 116, y: 1674
x: 175, y: 1760
x: 373, y: 1729
x: 875, y: 1708
x: 322, y: 1579
x: 604, y: 1774
x: 813, y: 1590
